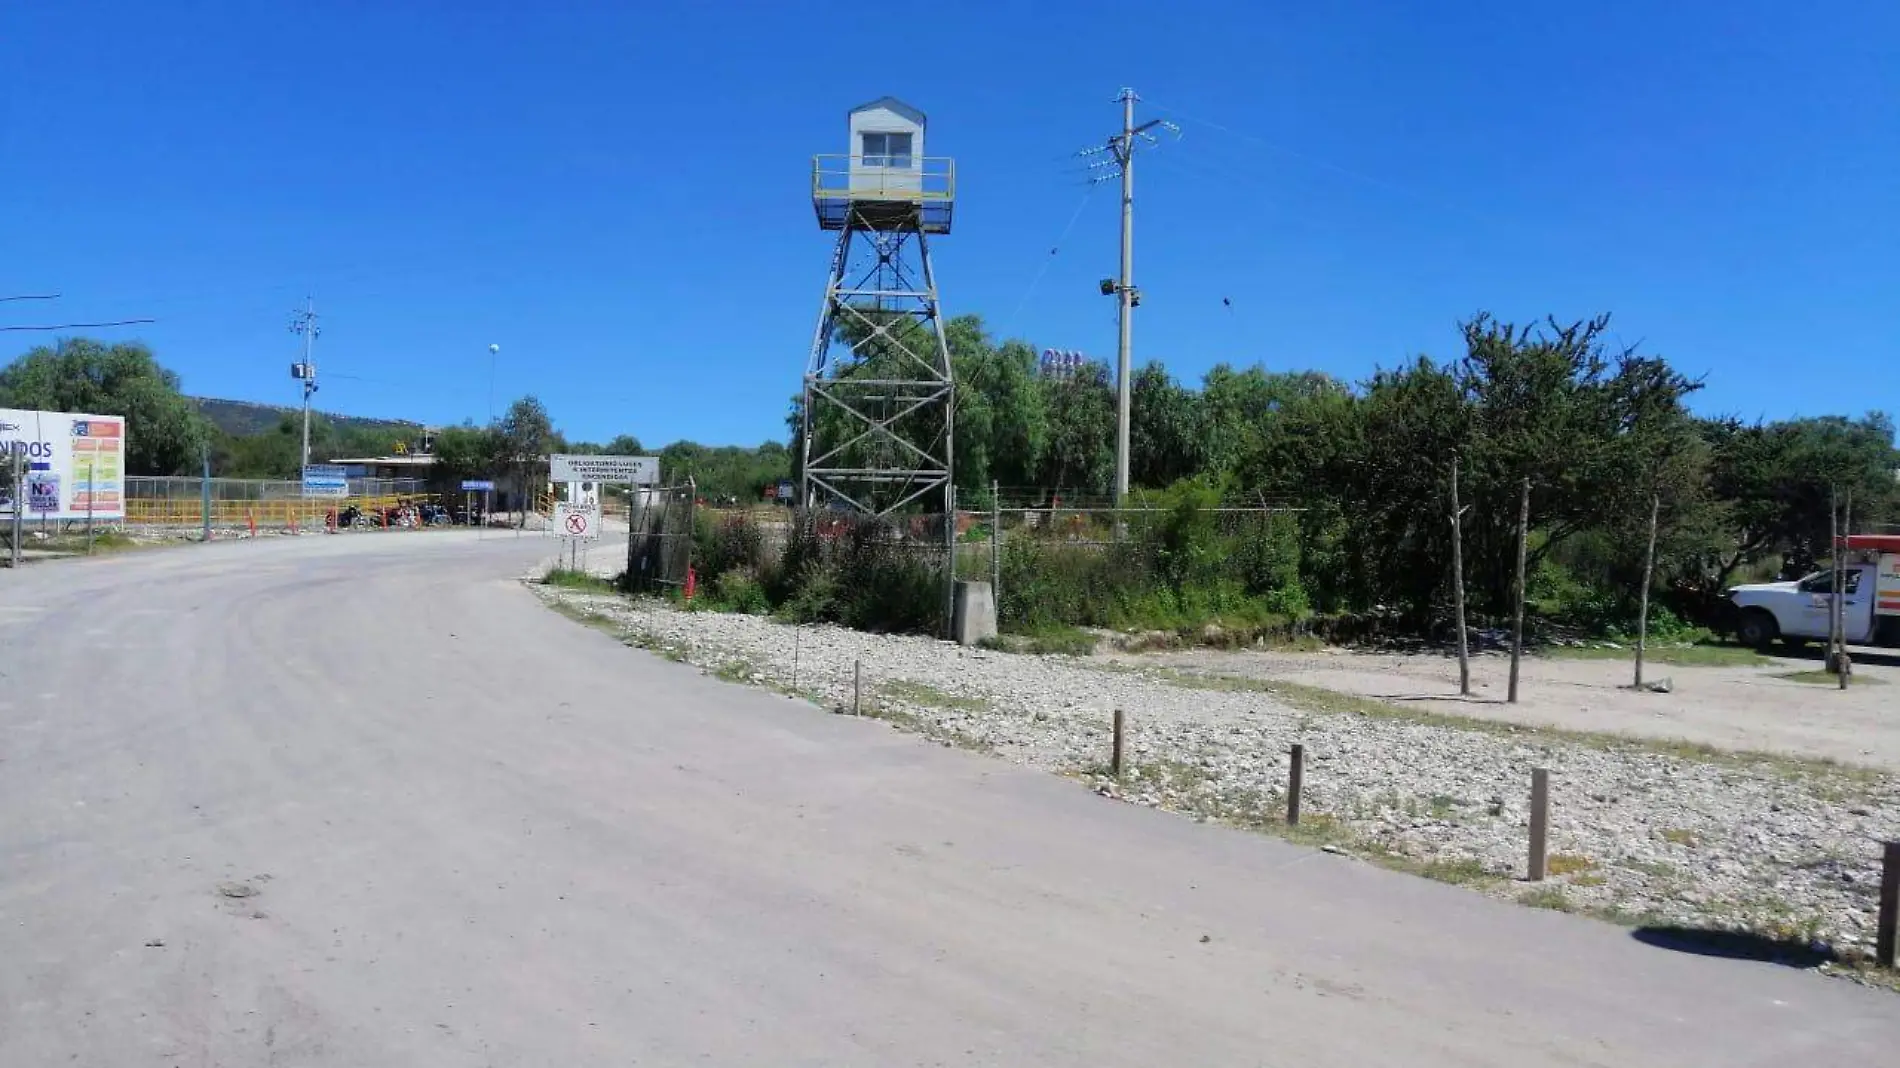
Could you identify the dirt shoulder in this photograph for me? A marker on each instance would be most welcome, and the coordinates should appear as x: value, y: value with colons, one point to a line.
x: 1739, y: 708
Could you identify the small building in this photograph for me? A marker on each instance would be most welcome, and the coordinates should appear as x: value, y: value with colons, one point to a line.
x: 416, y: 467
x: 884, y: 178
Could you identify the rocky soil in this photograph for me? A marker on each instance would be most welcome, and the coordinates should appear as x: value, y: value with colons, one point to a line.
x: 1641, y: 830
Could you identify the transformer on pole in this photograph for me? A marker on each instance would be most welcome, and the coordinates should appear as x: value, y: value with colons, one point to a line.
x: 876, y: 421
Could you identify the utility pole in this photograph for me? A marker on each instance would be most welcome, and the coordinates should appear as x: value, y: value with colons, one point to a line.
x: 1121, y: 147
x: 305, y: 322
x: 1124, y: 321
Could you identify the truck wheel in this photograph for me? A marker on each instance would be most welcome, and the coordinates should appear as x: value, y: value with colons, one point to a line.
x: 1757, y: 629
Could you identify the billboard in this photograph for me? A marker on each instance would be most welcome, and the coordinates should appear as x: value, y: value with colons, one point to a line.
x: 73, y: 463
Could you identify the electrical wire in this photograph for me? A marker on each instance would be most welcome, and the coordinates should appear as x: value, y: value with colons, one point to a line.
x: 1281, y: 149
x: 76, y: 326
x: 1359, y: 176
x: 1010, y: 323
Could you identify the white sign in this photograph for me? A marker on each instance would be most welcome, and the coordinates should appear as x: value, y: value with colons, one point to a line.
x: 637, y: 470
x: 73, y: 464
x: 579, y: 521
x: 325, y: 480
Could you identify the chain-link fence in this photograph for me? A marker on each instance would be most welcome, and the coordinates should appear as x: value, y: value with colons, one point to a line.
x: 1051, y: 562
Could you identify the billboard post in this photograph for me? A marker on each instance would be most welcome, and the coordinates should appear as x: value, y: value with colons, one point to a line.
x: 19, y: 526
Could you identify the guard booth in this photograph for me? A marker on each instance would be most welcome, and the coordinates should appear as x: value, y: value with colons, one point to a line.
x: 884, y: 180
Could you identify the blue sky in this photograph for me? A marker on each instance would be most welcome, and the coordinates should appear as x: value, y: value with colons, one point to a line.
x: 618, y: 193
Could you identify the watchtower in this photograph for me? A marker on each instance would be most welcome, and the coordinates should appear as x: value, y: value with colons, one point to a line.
x: 876, y: 419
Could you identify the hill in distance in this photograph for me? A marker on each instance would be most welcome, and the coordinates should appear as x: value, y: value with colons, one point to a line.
x: 246, y: 418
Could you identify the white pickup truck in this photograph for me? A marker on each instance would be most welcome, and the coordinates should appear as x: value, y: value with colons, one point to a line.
x: 1798, y: 612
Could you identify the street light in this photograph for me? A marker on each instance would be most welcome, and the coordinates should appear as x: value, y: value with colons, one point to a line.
x: 493, y: 352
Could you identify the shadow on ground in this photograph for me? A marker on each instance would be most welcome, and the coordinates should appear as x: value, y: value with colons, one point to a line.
x: 1737, y: 945
x: 1816, y: 653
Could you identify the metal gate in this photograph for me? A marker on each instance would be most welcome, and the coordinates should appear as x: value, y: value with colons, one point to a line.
x: 659, y: 538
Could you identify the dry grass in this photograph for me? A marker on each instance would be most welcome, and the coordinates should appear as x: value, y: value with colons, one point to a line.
x: 1567, y: 864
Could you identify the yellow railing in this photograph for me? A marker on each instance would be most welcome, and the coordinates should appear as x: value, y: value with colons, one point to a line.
x: 930, y: 178
x: 280, y: 513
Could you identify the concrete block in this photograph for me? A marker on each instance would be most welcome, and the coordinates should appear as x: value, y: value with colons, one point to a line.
x: 975, y: 616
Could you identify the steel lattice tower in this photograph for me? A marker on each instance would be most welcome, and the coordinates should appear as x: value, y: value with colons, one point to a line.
x: 876, y: 419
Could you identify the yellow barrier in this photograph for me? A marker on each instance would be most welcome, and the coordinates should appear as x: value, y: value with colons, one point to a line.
x: 274, y: 514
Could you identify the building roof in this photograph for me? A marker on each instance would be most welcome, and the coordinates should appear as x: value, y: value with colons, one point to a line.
x: 1886, y: 543
x: 893, y: 104
x: 421, y: 459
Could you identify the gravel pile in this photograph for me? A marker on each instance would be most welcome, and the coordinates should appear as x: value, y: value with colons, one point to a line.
x: 1649, y: 831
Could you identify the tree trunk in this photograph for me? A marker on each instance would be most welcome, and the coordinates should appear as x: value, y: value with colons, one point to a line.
x: 1523, y: 539
x: 1458, y: 583
x: 1649, y: 576
x: 1834, y: 579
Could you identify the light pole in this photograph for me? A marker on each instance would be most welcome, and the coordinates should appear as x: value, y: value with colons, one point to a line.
x: 305, y: 323
x: 493, y: 352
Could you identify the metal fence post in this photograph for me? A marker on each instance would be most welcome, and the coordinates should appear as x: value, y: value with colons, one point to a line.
x: 996, y: 550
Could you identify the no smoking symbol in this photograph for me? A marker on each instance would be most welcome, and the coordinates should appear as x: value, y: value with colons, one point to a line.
x: 577, y: 523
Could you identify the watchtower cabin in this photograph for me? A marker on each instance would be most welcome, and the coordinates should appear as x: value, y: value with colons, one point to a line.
x: 885, y: 182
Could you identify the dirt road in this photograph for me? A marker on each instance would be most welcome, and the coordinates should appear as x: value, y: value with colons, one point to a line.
x: 1742, y: 708
x: 352, y: 802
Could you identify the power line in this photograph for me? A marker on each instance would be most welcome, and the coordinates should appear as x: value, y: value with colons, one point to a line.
x: 1074, y: 216
x: 77, y: 326
x: 32, y: 296
x: 1401, y: 189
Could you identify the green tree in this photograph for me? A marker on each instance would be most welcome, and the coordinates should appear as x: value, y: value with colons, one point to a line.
x: 1775, y: 481
x: 1001, y: 425
x: 1079, y: 456
x: 163, y: 431
x: 467, y: 452
x: 1166, y: 430
x: 1552, y: 404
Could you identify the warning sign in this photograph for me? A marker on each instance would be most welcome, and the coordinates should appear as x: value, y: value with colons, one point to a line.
x: 580, y: 521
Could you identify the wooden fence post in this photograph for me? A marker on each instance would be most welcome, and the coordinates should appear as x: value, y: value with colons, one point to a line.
x: 1458, y: 582
x: 1540, y: 821
x: 1523, y: 547
x: 1889, y: 924
x: 1295, y: 781
x: 1115, y: 760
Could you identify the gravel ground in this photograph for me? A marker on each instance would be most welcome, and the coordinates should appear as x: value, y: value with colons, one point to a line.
x: 1641, y: 829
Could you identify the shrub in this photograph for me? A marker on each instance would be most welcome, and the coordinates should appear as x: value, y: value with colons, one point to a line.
x: 739, y: 590
x: 725, y: 543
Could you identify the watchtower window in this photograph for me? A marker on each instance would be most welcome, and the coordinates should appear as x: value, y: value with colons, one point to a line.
x: 886, y: 150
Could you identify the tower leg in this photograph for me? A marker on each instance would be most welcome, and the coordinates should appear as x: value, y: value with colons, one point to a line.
x: 878, y: 407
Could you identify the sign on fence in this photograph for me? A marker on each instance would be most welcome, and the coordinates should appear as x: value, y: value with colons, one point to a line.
x: 325, y: 480
x: 580, y: 521
x: 477, y: 485
x: 637, y: 470
x: 74, y: 464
